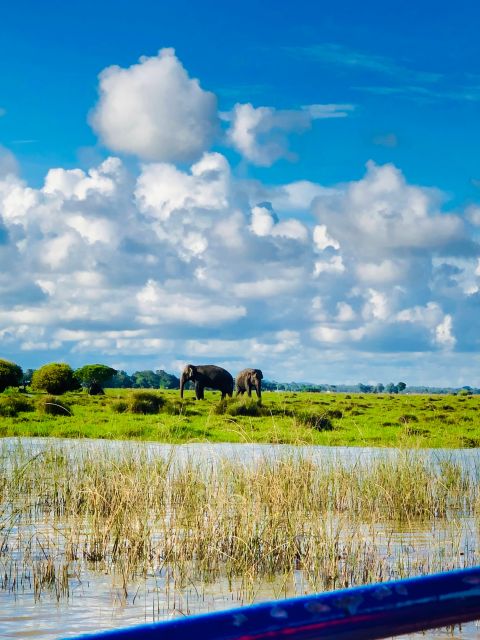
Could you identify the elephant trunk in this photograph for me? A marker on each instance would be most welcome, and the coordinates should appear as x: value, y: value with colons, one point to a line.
x: 182, y: 384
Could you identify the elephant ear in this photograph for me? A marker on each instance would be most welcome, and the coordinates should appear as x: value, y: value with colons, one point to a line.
x: 190, y: 370
x: 259, y: 374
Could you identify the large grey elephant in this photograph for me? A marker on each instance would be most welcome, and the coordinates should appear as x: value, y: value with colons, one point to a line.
x: 207, y: 375
x: 249, y: 379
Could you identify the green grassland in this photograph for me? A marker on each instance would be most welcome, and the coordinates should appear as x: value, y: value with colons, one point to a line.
x: 289, y: 418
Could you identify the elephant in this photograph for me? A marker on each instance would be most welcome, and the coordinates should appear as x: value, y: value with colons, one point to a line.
x: 207, y: 375
x: 95, y: 389
x: 249, y: 379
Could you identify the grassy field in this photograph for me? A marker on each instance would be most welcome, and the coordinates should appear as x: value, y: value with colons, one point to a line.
x: 303, y: 418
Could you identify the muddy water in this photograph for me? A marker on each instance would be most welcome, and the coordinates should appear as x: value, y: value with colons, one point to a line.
x: 97, y: 601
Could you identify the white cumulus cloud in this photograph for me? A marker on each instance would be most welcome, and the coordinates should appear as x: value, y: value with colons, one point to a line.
x: 259, y: 134
x: 154, y: 110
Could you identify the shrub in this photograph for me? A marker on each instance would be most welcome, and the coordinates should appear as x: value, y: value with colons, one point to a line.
x: 335, y: 413
x: 248, y: 407
x: 318, y: 421
x: 53, y: 406
x: 55, y: 378
x: 145, y: 402
x: 11, y: 375
x: 120, y: 406
x: 11, y: 404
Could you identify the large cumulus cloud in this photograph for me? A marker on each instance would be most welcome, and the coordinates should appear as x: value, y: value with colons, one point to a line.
x: 388, y: 240
x: 155, y: 110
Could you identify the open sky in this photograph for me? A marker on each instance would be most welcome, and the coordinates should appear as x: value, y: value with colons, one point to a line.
x: 293, y: 186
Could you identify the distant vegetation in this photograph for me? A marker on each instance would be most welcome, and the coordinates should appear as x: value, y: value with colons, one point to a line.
x: 143, y: 380
x: 11, y: 375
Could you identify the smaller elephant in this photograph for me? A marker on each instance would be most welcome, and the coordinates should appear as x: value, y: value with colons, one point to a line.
x: 95, y: 389
x: 249, y: 379
x: 207, y: 375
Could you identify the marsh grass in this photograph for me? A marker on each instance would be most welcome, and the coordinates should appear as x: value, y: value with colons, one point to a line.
x: 65, y: 514
x: 12, y: 402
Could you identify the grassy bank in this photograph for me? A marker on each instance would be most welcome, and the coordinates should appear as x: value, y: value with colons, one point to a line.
x: 303, y: 418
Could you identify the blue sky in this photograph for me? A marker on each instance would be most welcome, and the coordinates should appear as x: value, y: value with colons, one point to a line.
x: 412, y: 72
x: 293, y: 186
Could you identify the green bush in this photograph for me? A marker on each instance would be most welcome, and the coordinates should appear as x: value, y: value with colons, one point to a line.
x: 120, y: 406
x: 53, y: 406
x: 318, y: 421
x: 145, y: 402
x: 249, y: 407
x: 11, y: 374
x: 56, y: 378
x: 334, y: 414
x: 12, y: 403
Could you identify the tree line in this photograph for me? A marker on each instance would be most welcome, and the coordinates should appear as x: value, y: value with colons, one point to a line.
x: 60, y: 377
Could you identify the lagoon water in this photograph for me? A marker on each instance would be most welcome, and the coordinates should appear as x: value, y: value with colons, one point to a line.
x: 97, y: 602
x: 248, y: 453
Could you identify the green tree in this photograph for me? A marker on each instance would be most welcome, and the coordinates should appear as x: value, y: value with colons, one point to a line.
x: 365, y: 388
x: 391, y: 388
x: 380, y: 388
x: 145, y: 379
x: 94, y: 372
x: 401, y: 386
x: 465, y: 391
x: 56, y: 377
x: 11, y: 374
x: 167, y: 380
x: 27, y: 376
x: 121, y: 380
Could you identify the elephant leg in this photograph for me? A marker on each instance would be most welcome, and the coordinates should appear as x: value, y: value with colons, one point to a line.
x: 199, y: 391
x: 249, y: 390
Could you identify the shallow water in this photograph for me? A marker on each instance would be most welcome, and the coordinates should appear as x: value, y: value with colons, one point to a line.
x: 245, y: 453
x: 97, y: 601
